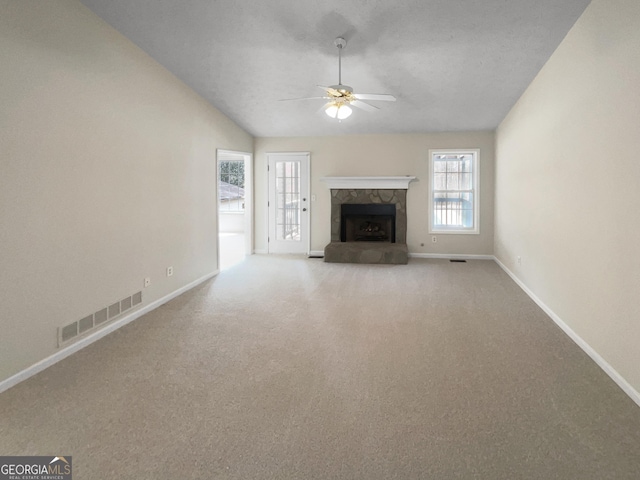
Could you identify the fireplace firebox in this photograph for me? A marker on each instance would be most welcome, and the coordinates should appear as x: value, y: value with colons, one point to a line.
x: 369, y: 222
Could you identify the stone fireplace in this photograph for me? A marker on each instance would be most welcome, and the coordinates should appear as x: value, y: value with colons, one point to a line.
x: 368, y: 220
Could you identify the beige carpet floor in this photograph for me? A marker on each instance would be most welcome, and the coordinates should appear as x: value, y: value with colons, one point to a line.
x: 291, y: 368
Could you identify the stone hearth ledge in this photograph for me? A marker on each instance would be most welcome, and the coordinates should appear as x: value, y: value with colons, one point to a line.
x: 367, y: 252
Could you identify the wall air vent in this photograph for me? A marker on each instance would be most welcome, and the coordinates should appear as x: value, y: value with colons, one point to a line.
x: 136, y: 298
x: 69, y: 332
x: 125, y: 304
x: 101, y: 316
x: 457, y: 260
x: 85, y: 324
x: 114, y: 310
x: 91, y: 322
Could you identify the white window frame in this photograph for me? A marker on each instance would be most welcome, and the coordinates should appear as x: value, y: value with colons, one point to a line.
x: 475, y: 190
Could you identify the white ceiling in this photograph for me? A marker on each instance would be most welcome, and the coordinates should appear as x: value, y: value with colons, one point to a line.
x: 454, y: 65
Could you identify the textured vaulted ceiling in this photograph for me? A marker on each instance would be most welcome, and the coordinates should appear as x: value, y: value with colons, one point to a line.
x: 454, y: 65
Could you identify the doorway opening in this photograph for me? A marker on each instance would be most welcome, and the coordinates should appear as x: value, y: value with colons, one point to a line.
x: 235, y: 212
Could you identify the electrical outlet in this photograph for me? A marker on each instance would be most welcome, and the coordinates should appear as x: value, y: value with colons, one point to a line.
x: 434, y: 239
x: 169, y: 271
x: 147, y: 282
x: 519, y: 260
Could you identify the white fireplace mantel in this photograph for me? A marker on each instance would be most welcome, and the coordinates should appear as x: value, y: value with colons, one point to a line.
x: 382, y: 183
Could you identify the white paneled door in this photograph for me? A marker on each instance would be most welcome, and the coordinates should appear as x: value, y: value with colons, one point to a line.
x: 288, y: 202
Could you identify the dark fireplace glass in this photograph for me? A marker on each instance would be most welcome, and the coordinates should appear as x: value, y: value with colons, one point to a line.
x: 371, y: 222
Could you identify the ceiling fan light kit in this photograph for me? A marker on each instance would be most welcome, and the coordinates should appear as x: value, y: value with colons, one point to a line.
x: 341, y: 97
x: 339, y: 111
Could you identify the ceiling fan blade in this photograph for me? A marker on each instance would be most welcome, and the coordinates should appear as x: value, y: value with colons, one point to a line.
x: 331, y: 91
x: 382, y: 97
x: 303, y: 98
x: 364, y: 106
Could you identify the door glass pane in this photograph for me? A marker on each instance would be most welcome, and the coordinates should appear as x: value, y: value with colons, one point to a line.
x: 288, y: 201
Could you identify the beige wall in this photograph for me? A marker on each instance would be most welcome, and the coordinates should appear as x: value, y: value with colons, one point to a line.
x: 107, y: 174
x: 370, y: 155
x: 568, y: 184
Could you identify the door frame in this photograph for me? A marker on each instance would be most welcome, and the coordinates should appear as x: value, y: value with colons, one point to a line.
x: 305, y: 223
x: 247, y: 157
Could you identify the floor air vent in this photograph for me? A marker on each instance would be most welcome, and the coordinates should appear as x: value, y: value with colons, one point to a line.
x: 91, y: 322
x: 457, y: 260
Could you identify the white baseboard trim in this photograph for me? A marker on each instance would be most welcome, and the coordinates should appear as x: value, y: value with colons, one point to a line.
x: 595, y: 356
x: 316, y: 253
x: 94, y: 337
x: 451, y: 255
x: 260, y: 252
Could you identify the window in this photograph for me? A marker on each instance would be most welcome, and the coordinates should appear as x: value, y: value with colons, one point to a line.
x: 231, y: 185
x: 453, y: 199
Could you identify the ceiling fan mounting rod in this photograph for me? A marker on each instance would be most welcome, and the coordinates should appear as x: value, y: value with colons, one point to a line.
x: 340, y: 43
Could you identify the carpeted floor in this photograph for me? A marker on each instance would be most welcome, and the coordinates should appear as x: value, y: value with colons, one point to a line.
x: 291, y: 368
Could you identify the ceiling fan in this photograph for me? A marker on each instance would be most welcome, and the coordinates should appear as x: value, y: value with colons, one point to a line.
x: 341, y: 97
